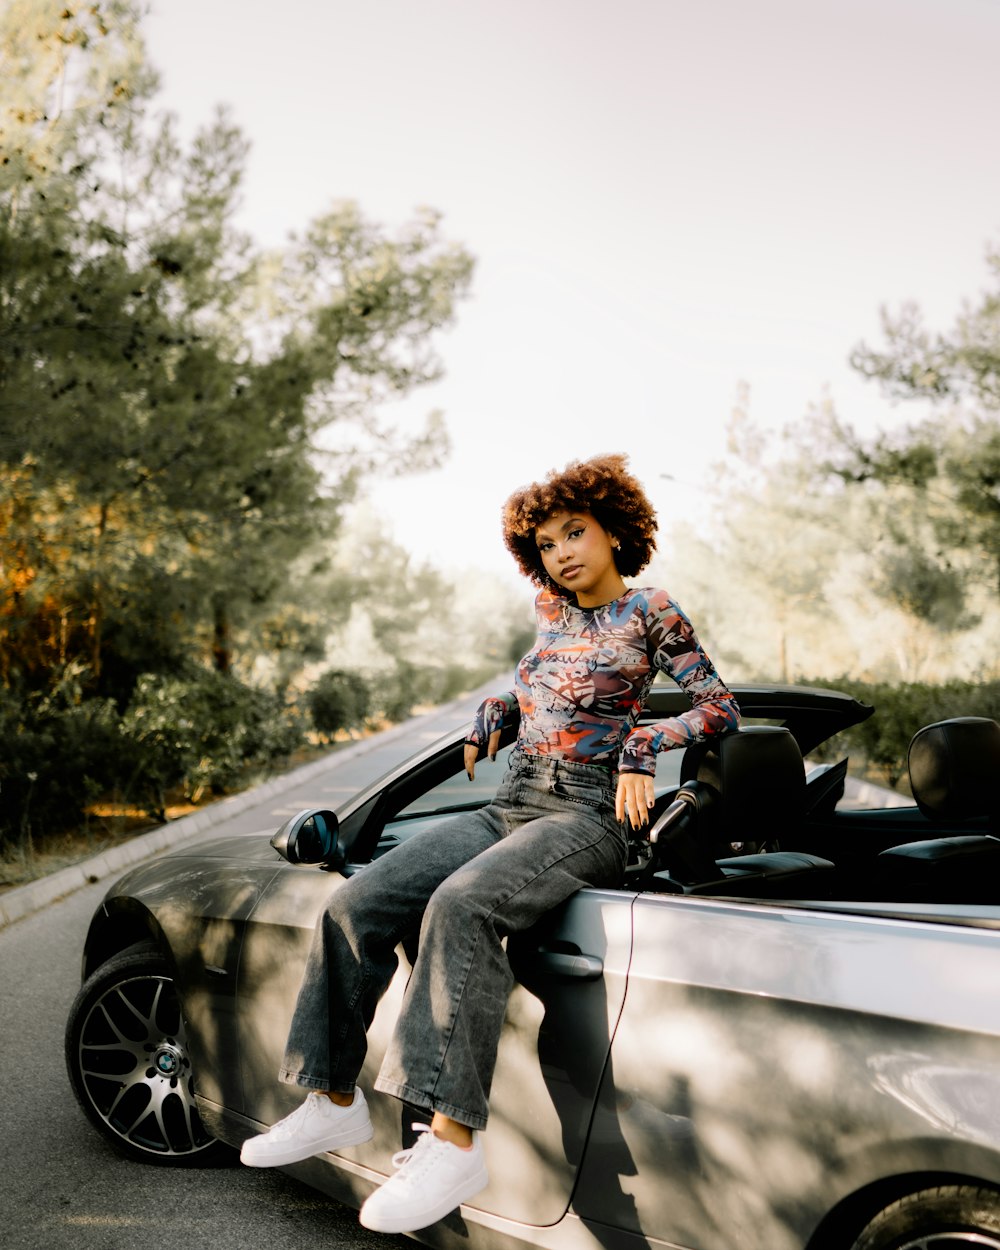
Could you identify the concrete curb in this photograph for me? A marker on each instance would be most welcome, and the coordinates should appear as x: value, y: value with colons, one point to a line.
x: 24, y: 900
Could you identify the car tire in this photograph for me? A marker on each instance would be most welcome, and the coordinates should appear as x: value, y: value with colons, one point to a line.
x: 128, y: 1062
x: 947, y: 1218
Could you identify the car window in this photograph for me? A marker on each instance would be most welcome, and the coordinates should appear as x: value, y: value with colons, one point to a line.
x: 861, y: 795
x: 457, y: 791
x: 859, y: 791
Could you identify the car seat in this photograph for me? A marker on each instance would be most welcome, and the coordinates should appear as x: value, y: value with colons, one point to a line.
x: 747, y: 786
x: 954, y: 768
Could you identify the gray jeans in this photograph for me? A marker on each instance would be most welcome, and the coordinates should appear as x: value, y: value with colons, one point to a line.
x: 465, y: 884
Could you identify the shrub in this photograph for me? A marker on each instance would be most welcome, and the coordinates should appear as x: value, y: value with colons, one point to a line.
x: 339, y: 700
x: 199, y: 730
x: 202, y: 729
x: 53, y: 762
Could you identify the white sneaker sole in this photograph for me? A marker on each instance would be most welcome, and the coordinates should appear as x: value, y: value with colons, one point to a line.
x: 295, y: 1152
x: 409, y: 1221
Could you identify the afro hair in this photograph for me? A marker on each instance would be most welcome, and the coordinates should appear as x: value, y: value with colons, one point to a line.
x: 601, y: 486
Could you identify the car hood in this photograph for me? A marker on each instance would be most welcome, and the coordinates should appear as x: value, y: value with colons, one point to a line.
x: 252, y: 848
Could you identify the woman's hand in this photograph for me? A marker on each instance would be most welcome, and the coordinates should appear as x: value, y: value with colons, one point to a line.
x: 472, y: 752
x: 634, y: 798
x: 486, y: 727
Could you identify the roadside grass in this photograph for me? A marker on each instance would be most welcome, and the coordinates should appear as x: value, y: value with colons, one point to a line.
x: 108, y: 824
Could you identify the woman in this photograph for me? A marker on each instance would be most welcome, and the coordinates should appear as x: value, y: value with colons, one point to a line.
x: 579, y: 770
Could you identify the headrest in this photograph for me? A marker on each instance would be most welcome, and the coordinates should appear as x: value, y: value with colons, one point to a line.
x: 955, y: 768
x: 757, y: 770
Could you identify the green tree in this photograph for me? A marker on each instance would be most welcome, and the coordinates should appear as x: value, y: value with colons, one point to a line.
x: 180, y: 414
x: 413, y: 633
x: 182, y: 419
x: 950, y: 459
x: 804, y: 574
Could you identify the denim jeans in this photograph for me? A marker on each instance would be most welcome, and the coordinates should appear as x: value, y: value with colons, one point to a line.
x: 464, y: 883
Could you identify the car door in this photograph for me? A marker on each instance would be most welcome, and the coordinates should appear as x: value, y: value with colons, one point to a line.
x: 772, y: 1060
x: 571, y: 972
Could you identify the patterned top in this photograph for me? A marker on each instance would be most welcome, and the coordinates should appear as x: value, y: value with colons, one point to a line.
x: 581, y: 687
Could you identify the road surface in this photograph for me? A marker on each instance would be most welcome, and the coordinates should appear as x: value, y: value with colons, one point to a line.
x: 61, y: 1186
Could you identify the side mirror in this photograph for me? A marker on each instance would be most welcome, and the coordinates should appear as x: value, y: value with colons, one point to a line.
x: 309, y: 837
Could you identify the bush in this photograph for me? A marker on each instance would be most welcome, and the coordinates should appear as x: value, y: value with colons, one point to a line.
x: 900, y: 710
x: 53, y: 762
x: 339, y: 700
x: 203, y: 729
x: 199, y: 730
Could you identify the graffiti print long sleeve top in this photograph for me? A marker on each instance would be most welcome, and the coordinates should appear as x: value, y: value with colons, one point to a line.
x: 581, y: 687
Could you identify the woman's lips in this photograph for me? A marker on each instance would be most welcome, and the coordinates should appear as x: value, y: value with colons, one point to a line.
x: 571, y: 571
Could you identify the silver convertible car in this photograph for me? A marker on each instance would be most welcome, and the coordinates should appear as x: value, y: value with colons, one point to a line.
x: 782, y: 1031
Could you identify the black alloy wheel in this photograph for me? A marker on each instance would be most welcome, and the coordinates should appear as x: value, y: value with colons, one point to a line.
x: 951, y: 1217
x: 128, y: 1062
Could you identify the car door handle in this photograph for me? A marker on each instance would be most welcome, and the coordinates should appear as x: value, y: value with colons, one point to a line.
x: 569, y: 964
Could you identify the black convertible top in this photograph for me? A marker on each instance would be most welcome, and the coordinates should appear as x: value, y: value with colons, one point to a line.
x: 811, y: 714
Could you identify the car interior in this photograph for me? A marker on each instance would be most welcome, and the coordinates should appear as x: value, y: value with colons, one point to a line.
x: 750, y: 815
x: 945, y: 850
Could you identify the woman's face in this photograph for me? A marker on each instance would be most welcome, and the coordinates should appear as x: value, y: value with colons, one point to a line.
x: 577, y: 553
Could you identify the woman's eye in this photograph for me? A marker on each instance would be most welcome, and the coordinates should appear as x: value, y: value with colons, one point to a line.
x: 575, y: 533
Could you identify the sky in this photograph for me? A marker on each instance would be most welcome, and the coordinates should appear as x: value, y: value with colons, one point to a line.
x: 665, y: 200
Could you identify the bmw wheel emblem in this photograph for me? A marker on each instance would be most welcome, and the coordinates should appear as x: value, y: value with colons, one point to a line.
x: 166, y: 1063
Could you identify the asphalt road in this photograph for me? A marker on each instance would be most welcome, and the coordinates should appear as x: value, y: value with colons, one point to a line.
x: 60, y: 1184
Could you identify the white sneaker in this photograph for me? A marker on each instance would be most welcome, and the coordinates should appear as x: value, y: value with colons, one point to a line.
x: 434, y: 1178
x: 317, y: 1125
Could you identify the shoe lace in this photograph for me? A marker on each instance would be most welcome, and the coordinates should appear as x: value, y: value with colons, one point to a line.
x: 293, y: 1122
x: 414, y: 1163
